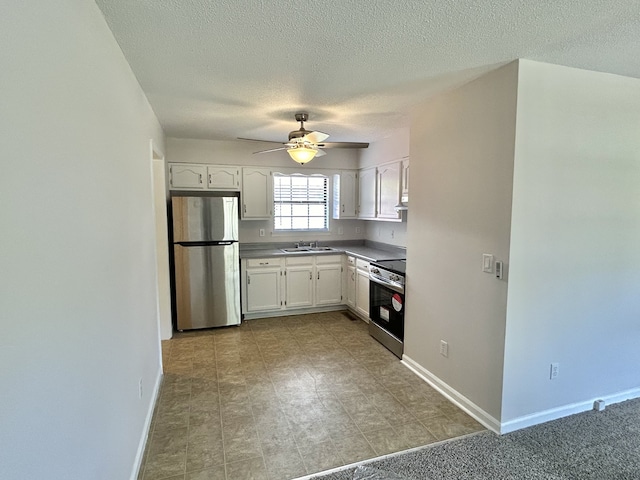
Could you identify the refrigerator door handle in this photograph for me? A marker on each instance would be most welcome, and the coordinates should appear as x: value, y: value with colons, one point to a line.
x: 206, y: 243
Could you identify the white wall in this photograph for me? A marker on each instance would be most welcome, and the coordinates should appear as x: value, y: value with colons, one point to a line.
x: 241, y: 153
x: 393, y: 233
x: 394, y: 146
x: 462, y: 146
x: 78, y: 294
x: 575, y: 257
x: 160, y: 192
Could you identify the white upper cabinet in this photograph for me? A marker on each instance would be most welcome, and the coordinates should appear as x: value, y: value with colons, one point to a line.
x: 189, y: 176
x: 345, y: 194
x: 367, y: 193
x: 222, y: 177
x: 257, y: 193
x: 186, y: 176
x: 380, y: 191
x: 389, y: 190
x: 405, y: 181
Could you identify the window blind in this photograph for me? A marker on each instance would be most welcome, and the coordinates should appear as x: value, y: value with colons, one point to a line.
x: 300, y: 202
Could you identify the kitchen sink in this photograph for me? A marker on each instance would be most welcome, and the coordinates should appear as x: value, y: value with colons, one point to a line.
x: 306, y: 249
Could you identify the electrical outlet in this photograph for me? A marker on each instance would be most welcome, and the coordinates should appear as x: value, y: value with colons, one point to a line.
x: 262, y: 232
x: 444, y: 348
x: 358, y: 230
x: 340, y: 231
x: 554, y: 371
x: 140, y: 388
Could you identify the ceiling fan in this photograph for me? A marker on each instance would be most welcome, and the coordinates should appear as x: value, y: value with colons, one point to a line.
x: 304, y: 145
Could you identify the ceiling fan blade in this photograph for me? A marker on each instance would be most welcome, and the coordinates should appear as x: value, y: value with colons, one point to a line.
x: 271, y: 150
x: 256, y: 140
x: 316, y: 137
x: 343, y: 145
x: 320, y: 153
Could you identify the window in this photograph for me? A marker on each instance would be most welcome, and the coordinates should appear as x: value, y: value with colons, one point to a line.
x: 300, y: 202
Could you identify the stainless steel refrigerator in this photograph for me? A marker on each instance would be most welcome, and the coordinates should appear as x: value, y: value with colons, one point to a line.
x: 206, y: 261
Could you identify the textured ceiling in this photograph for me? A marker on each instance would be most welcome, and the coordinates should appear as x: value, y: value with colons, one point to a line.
x: 222, y: 69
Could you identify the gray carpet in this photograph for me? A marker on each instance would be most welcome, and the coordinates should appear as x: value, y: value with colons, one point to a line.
x: 590, y: 445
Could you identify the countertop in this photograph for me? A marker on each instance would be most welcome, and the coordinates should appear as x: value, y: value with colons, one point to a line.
x: 369, y: 251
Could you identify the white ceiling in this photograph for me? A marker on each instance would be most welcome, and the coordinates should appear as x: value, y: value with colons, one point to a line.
x: 222, y: 69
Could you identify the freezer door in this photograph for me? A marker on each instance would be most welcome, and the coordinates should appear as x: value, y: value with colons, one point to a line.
x: 204, y: 219
x: 207, y: 286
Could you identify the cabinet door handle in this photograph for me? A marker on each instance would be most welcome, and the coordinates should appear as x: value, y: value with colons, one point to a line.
x: 248, y: 280
x: 209, y: 179
x: 318, y: 275
x: 200, y: 177
x: 244, y: 206
x: 310, y: 276
x: 343, y: 208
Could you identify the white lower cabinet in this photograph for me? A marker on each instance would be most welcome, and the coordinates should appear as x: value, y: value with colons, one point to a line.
x: 263, y: 291
x: 362, y: 288
x: 299, y: 282
x: 328, y: 280
x: 350, y: 282
x: 351, y: 287
x: 290, y: 283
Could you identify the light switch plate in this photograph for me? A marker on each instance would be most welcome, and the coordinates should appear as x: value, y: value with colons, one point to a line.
x: 487, y: 263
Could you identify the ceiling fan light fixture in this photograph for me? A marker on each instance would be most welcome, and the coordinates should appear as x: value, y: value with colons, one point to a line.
x: 302, y: 155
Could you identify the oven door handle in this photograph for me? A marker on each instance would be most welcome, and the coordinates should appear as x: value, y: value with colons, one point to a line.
x: 390, y: 285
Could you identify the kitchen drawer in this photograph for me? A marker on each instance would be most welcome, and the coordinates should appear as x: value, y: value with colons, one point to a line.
x: 303, y: 260
x: 362, y: 264
x: 325, y: 259
x: 263, y: 262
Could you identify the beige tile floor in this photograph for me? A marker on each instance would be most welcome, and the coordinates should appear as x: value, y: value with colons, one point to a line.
x: 282, y: 398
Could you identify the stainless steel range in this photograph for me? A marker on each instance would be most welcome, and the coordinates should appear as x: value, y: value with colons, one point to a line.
x: 387, y: 303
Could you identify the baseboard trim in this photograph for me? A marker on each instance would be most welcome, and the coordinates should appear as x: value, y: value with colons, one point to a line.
x: 452, y: 395
x: 517, y: 423
x: 147, y: 425
x: 293, y: 311
x: 566, y: 410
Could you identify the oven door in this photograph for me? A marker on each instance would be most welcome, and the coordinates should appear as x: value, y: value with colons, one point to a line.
x: 386, y: 307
